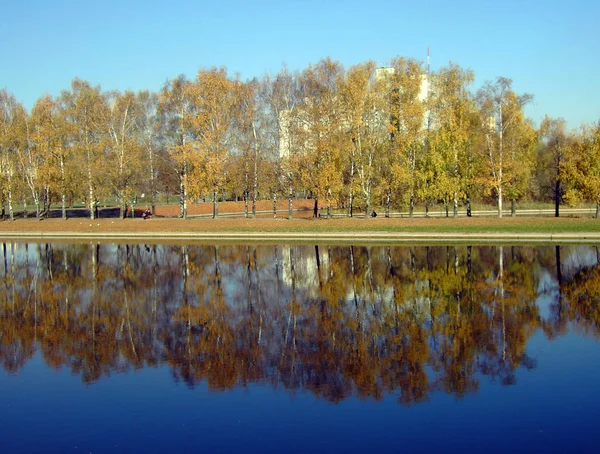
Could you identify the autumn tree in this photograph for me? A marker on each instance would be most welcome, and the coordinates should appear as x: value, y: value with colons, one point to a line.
x: 254, y: 132
x: 318, y: 131
x: 451, y: 111
x: 364, y: 125
x: 13, y: 140
x: 407, y: 93
x: 86, y: 115
x: 582, y: 169
x: 501, y: 112
x: 213, y: 97
x: 175, y: 111
x: 125, y: 156
x: 283, y: 97
x: 50, y: 138
x: 552, y: 159
x: 147, y: 126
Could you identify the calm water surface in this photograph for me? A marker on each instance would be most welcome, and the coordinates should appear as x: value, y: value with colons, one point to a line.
x: 117, y: 348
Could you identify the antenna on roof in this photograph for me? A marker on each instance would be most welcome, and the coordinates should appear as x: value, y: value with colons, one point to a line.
x: 428, y: 62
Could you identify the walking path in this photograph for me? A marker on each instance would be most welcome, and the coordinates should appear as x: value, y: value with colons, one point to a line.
x: 330, y: 237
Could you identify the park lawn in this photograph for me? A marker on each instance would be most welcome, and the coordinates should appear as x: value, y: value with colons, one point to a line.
x: 283, y: 225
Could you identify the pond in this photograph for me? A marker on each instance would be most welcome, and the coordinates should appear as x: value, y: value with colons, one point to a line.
x: 295, y: 348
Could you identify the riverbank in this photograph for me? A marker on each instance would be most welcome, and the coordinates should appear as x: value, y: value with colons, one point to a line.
x: 338, y: 230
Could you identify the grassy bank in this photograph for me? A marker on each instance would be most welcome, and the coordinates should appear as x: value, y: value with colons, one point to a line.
x: 343, y: 225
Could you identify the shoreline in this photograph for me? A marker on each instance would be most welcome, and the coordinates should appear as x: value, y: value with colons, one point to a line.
x: 342, y: 230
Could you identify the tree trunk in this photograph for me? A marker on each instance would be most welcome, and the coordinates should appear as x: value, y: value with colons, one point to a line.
x: 513, y: 207
x: 184, y: 190
x: 388, y: 199
x: 25, y: 213
x: 500, y: 201
x: 316, y: 208
x: 350, y: 203
x: 455, y: 213
x: 469, y: 213
x: 63, y: 192
x: 215, y: 205
x: 557, y: 198
x: 368, y: 205
x: 447, y: 207
x: 255, y: 175
x: 246, y: 194
x: 411, y: 208
x: 152, y: 183
x: 90, y: 183
x: 290, y: 203
x: 11, y: 213
x: 46, y: 207
x: 274, y: 204
x: 351, y: 197
x: 597, y: 210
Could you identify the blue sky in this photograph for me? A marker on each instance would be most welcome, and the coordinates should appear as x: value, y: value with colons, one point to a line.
x: 549, y: 48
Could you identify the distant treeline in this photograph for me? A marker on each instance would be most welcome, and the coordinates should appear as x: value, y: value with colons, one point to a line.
x: 354, y: 139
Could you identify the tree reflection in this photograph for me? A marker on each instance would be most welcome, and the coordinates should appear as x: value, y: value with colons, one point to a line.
x: 334, y: 321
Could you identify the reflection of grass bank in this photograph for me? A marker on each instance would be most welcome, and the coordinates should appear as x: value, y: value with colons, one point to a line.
x: 330, y: 226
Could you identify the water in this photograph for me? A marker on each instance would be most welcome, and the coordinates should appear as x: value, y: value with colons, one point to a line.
x: 262, y: 348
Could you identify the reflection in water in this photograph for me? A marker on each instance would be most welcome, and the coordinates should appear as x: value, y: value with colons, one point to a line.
x: 337, y: 321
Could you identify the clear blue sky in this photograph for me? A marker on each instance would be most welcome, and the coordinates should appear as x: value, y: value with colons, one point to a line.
x: 549, y: 48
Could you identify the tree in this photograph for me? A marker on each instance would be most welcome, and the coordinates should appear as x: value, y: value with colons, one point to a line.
x: 318, y: 130
x: 407, y: 92
x: 13, y: 142
x: 147, y: 128
x: 50, y: 137
x: 553, y: 157
x: 282, y: 95
x: 501, y: 112
x: 255, y: 137
x: 213, y: 97
x: 174, y: 109
x: 451, y: 111
x: 364, y: 123
x: 86, y: 115
x: 44, y: 144
x: 125, y: 156
x: 582, y: 169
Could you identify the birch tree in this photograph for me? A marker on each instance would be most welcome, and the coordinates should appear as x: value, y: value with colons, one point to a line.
x: 38, y: 156
x: 365, y: 123
x: 213, y: 97
x: 50, y: 136
x: 319, y: 132
x: 125, y: 157
x: 175, y: 111
x: 407, y: 88
x: 13, y: 118
x: 501, y: 114
x: 282, y: 95
x: 553, y: 158
x: 86, y: 113
x: 582, y: 169
x: 452, y: 107
x: 147, y: 127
